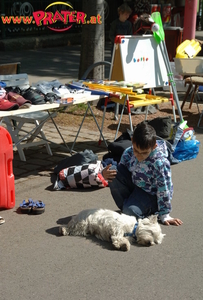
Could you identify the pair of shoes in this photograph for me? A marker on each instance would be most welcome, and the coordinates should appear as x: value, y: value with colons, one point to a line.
x: 18, y: 99
x: 7, y: 105
x: 29, y: 206
x: 34, y: 95
x: 2, y: 220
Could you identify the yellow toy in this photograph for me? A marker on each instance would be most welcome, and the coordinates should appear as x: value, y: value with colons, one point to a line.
x: 188, y: 49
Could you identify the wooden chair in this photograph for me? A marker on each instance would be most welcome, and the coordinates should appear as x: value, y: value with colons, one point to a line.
x: 11, y: 68
x: 193, y: 83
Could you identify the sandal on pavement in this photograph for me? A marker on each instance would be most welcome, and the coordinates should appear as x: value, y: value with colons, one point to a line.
x: 26, y: 206
x: 2, y: 220
x: 38, y: 207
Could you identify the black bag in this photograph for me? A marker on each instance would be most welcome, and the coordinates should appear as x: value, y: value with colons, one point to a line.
x: 162, y: 126
x: 117, y: 147
x: 80, y: 158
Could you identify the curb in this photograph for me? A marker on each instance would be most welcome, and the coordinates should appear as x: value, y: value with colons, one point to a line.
x: 44, y: 41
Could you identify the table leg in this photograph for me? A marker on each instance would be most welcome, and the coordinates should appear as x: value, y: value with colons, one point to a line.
x: 129, y: 114
x: 119, y: 123
x: 88, y: 108
x: 59, y: 132
x: 105, y: 106
x: 97, y: 125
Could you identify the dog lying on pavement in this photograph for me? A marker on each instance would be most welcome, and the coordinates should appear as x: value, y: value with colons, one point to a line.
x: 119, y: 229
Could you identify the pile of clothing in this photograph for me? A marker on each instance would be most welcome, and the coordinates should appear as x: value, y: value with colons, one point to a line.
x: 12, y: 98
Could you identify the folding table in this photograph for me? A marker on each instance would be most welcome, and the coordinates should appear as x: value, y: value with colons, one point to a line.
x: 127, y: 97
x: 38, y: 115
x: 20, y: 115
x: 50, y: 109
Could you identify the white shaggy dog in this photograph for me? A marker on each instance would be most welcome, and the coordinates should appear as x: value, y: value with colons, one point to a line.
x: 119, y: 229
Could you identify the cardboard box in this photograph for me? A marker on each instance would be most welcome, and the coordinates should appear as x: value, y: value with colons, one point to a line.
x: 190, y: 66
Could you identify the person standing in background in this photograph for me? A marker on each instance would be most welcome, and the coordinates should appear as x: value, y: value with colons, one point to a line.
x: 121, y: 26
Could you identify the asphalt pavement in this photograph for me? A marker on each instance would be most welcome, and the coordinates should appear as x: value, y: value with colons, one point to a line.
x: 37, y: 263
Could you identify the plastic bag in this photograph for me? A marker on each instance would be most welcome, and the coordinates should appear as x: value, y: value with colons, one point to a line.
x: 176, y: 133
x: 186, y: 150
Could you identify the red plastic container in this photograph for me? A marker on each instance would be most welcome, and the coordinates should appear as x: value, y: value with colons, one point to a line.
x: 7, y: 184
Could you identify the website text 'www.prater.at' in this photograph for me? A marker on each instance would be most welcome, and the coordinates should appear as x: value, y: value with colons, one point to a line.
x: 42, y: 18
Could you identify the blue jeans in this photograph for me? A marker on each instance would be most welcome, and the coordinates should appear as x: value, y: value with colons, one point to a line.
x: 131, y: 199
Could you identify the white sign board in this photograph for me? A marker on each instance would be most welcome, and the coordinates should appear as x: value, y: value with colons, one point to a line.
x: 138, y: 59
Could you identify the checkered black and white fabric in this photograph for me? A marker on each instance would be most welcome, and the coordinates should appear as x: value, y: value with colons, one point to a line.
x: 84, y: 176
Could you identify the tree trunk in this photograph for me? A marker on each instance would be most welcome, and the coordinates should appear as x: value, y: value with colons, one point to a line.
x: 93, y: 38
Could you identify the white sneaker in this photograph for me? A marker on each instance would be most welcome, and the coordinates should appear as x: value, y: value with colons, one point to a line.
x: 2, y: 220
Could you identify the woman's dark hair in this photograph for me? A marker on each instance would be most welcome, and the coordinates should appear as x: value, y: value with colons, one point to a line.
x: 144, y: 136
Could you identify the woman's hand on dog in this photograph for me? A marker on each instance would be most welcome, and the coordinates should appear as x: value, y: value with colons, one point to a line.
x: 175, y: 221
x: 109, y: 174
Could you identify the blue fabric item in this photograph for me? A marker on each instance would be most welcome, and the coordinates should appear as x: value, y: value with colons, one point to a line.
x: 2, y: 84
x: 93, y: 92
x: 109, y: 161
x: 27, y: 203
x: 140, y: 204
x: 186, y: 150
x: 39, y: 204
x: 170, y: 148
x: 131, y: 199
x: 132, y: 233
x: 134, y: 230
